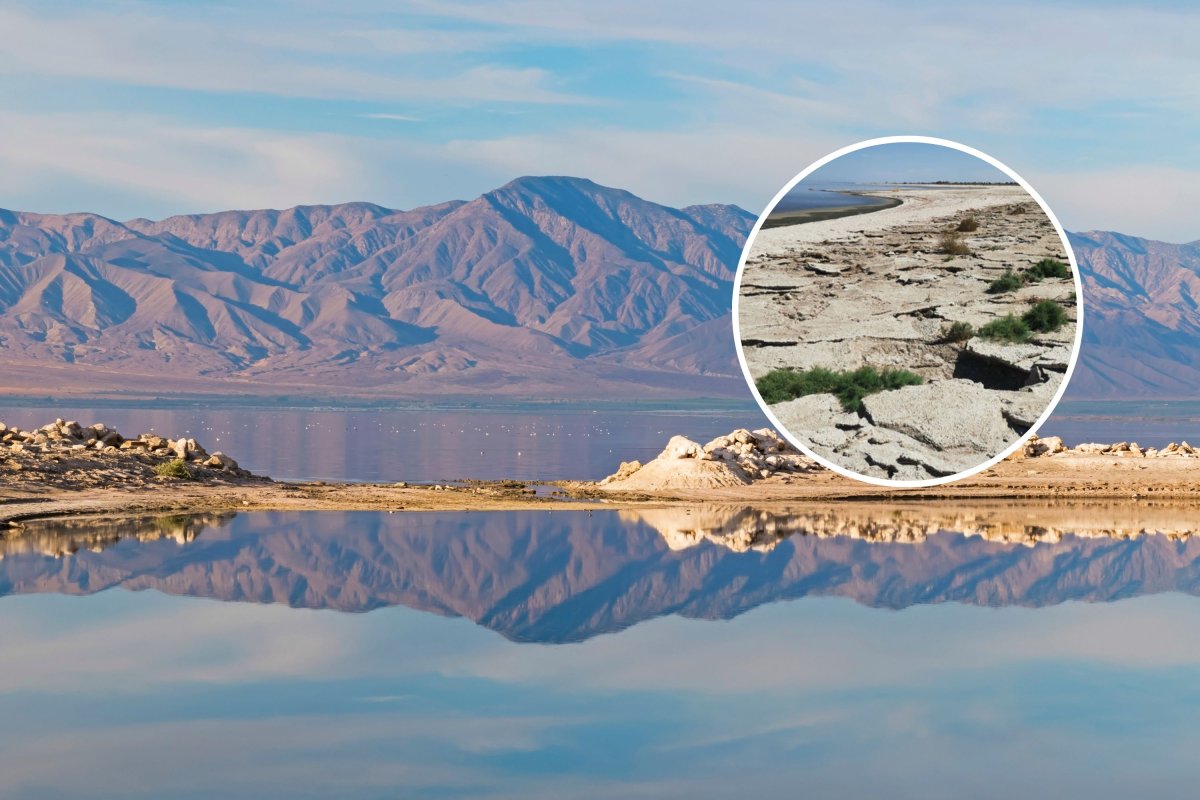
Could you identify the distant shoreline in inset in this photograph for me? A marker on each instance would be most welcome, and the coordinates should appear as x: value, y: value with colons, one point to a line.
x: 801, y: 216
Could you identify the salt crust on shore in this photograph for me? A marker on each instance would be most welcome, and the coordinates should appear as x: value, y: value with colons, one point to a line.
x: 746, y: 457
x: 878, y: 290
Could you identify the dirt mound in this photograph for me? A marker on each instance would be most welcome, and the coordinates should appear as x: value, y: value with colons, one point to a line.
x: 734, y: 460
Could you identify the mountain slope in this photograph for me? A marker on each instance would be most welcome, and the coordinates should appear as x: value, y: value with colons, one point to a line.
x: 1142, y: 317
x: 545, y: 287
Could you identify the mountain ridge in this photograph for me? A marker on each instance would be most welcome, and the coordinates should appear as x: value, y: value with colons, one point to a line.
x: 546, y: 287
x: 557, y: 287
x: 1142, y: 318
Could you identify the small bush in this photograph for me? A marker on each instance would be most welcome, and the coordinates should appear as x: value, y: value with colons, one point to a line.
x: 175, y: 468
x: 968, y: 225
x: 957, y: 332
x: 1006, y: 329
x: 1046, y: 315
x: 952, y: 244
x: 850, y: 388
x: 1008, y: 282
x: 1048, y: 268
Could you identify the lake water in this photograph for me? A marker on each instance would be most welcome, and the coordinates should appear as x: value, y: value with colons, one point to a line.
x: 420, y: 445
x: 574, y: 654
x: 1151, y: 423
x: 561, y: 442
x: 809, y: 195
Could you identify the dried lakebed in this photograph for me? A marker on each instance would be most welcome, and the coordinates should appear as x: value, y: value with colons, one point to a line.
x: 879, y: 290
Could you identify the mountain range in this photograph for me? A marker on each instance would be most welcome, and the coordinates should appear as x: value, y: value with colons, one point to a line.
x: 566, y: 576
x: 1142, y: 318
x: 545, y: 288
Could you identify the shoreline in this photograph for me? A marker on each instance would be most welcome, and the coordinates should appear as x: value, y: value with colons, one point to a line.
x: 805, y: 216
x: 67, y: 470
x: 1070, y: 477
x: 918, y: 206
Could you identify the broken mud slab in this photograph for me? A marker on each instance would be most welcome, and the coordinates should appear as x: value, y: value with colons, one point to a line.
x: 883, y: 294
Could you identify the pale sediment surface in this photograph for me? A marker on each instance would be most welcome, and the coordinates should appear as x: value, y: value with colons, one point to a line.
x: 744, y: 467
x: 877, y: 290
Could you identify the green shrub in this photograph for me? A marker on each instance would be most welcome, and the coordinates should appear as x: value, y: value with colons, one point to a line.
x: 1006, y: 329
x: 968, y: 225
x: 1048, y: 268
x: 1046, y: 315
x: 850, y: 387
x: 1008, y: 282
x: 175, y: 468
x: 957, y: 332
x: 952, y: 244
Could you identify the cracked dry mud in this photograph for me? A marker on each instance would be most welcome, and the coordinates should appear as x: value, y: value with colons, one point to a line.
x: 875, y: 290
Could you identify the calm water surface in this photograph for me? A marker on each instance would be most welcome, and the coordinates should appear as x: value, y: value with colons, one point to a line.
x: 575, y: 654
x: 569, y: 443
x: 1149, y: 423
x: 811, y: 195
x: 420, y: 445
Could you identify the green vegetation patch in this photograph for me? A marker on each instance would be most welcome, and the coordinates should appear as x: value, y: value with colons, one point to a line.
x: 1008, y: 282
x: 1011, y: 281
x: 1006, y: 329
x: 175, y: 468
x: 1045, y: 316
x: 850, y: 388
x: 957, y: 332
x: 1048, y: 268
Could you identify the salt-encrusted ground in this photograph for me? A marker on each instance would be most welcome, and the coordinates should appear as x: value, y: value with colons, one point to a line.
x: 877, y: 290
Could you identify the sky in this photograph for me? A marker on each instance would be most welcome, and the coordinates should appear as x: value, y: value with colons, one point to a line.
x: 906, y: 161
x: 153, y: 108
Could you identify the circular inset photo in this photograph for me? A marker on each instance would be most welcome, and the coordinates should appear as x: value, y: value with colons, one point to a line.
x: 908, y: 311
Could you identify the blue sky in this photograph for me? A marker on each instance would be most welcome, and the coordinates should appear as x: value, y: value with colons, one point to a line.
x: 144, y: 108
x: 907, y: 161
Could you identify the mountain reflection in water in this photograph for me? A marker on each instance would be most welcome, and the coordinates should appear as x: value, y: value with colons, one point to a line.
x: 564, y: 576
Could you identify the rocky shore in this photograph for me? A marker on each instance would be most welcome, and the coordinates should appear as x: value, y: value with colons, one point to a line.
x: 746, y: 457
x: 66, y: 454
x: 903, y: 289
x: 68, y: 470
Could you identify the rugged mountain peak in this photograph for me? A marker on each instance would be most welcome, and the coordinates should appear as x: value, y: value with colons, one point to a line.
x: 550, y: 286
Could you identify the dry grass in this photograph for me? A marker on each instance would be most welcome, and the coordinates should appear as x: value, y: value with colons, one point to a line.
x: 952, y: 244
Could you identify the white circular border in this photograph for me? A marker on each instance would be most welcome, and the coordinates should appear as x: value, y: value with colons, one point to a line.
x: 1062, y: 235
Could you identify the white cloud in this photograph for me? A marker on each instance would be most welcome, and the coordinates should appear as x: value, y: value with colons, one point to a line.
x: 1150, y: 201
x: 171, y: 165
x: 391, y: 117
x: 181, y: 53
x: 672, y: 167
x: 251, y: 645
x: 750, y: 100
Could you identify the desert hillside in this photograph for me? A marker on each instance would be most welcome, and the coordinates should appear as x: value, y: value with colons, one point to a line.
x: 545, y: 286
